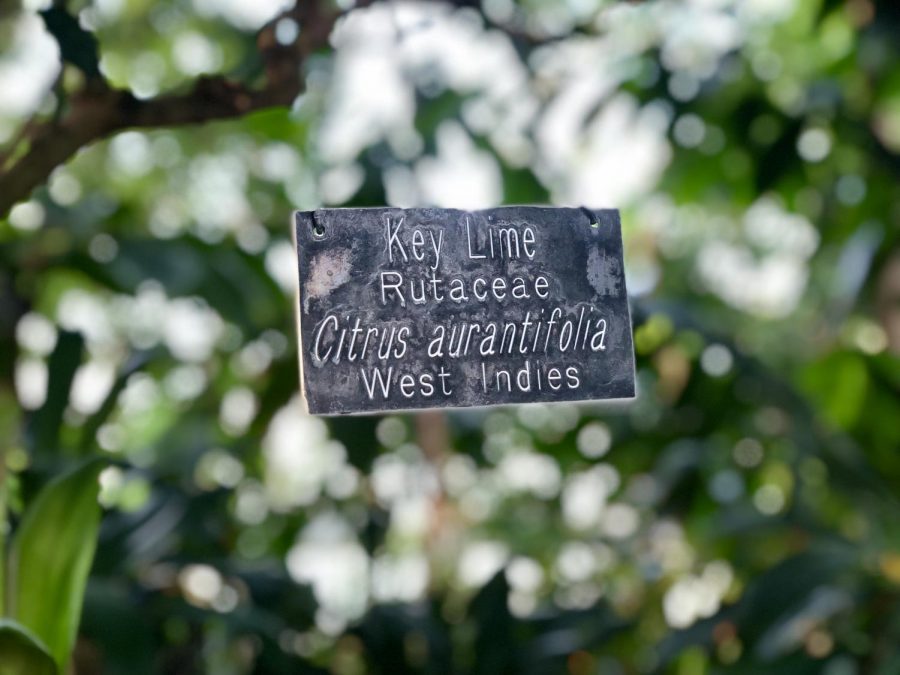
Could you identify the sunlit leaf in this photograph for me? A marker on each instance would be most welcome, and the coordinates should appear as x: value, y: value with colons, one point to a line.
x: 51, y: 556
x: 839, y: 384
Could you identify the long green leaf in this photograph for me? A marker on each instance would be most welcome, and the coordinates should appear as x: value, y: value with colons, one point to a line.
x: 21, y: 653
x: 51, y: 558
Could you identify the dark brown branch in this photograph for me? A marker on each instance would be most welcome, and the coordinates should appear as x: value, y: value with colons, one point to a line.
x: 98, y: 110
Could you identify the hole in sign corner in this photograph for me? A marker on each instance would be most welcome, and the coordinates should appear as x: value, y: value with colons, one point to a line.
x: 317, y: 230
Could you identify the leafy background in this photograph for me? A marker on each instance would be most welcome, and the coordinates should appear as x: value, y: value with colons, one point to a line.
x: 741, y: 516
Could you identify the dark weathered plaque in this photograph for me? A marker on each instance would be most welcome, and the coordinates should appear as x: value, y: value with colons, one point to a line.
x: 423, y: 308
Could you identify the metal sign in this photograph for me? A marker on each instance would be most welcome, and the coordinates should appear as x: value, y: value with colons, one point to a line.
x: 436, y: 308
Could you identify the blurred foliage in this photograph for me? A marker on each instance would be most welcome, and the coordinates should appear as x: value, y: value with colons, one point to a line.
x: 741, y: 516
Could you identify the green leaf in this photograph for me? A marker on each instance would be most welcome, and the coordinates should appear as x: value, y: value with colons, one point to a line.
x: 839, y: 384
x: 51, y: 557
x: 76, y: 45
x: 42, y: 435
x: 494, y: 643
x: 21, y: 653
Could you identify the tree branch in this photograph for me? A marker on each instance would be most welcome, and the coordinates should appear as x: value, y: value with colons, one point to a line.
x: 99, y: 110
